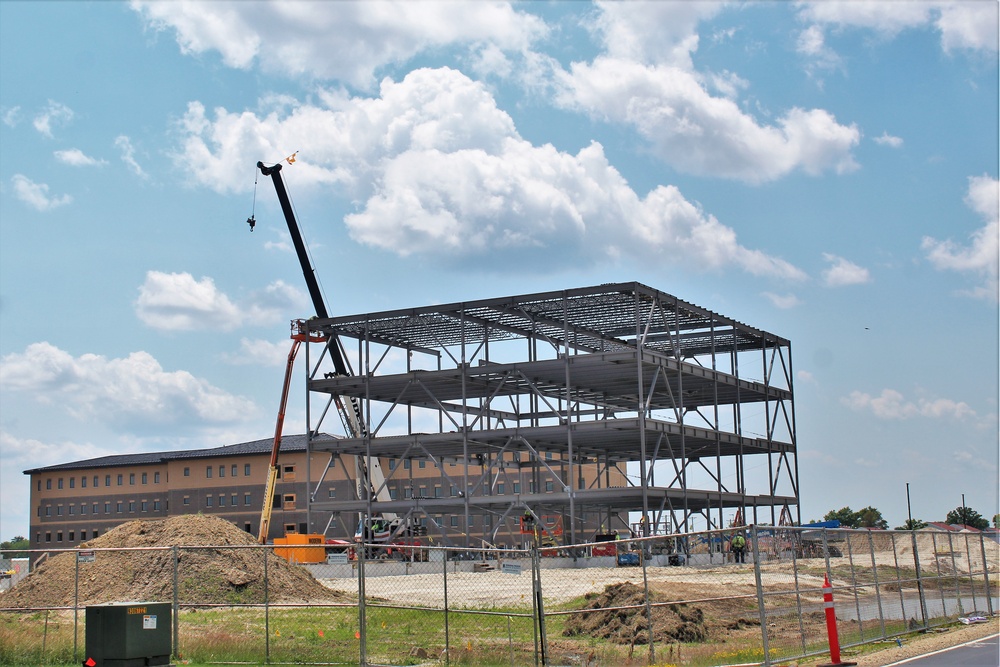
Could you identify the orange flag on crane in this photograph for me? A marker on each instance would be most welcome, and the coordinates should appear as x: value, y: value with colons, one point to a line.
x: 291, y: 158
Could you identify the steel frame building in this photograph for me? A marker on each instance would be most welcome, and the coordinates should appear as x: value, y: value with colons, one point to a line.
x: 629, y: 399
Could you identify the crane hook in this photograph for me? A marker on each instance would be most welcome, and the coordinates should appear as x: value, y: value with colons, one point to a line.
x: 252, y: 222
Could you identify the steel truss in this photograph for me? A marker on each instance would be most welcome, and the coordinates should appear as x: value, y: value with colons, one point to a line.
x: 623, y: 398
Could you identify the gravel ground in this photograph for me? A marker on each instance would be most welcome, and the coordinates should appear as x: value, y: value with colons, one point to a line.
x: 485, y: 589
x: 494, y: 588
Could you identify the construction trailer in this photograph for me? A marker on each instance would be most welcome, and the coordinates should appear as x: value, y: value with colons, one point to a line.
x: 598, y: 405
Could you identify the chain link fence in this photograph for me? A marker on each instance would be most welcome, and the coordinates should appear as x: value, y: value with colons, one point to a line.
x: 694, y: 599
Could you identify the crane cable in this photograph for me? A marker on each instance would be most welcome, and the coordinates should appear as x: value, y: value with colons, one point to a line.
x: 252, y: 221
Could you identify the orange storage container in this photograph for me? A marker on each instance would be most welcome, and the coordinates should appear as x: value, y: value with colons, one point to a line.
x: 293, y: 554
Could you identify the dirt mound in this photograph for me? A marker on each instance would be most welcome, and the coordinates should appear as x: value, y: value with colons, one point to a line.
x: 217, y: 575
x: 629, y: 625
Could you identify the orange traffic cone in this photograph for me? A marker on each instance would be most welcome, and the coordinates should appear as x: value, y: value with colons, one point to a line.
x: 831, y: 627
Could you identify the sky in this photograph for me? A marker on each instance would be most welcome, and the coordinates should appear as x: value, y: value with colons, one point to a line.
x: 823, y: 171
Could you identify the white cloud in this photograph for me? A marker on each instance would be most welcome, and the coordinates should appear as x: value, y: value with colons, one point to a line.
x: 811, y: 41
x: 36, y: 195
x: 889, y: 18
x: 54, y: 113
x: 283, y: 245
x: 346, y: 41
x: 491, y: 60
x: 982, y: 255
x: 888, y: 140
x: 20, y: 454
x: 783, y: 301
x: 963, y: 25
x: 12, y: 116
x: 819, y: 57
x: 26, y: 453
x: 722, y: 36
x: 805, y: 376
x: 178, y: 302
x: 891, y: 404
x: 124, y: 144
x: 77, y: 158
x: 968, y: 25
x: 439, y: 171
x: 259, y: 352
x: 653, y: 41
x: 697, y: 133
x: 843, y: 272
x: 645, y: 79
x: 728, y: 84
x: 652, y: 32
x: 274, y: 303
x: 133, y: 393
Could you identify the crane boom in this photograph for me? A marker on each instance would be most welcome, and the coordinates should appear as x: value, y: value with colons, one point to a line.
x: 300, y: 247
x: 348, y: 407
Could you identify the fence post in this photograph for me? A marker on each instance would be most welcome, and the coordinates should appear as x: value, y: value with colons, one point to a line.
x: 267, y: 613
x: 826, y: 552
x: 760, y: 593
x: 854, y: 585
x: 972, y: 578
x: 535, y: 614
x: 176, y: 606
x: 362, y: 612
x: 920, y: 580
x: 899, y: 582
x: 536, y: 573
x: 937, y: 580
x: 447, y: 634
x: 796, y: 543
x: 649, y: 610
x: 878, y: 591
x: 954, y: 569
x: 986, y: 575
x: 76, y: 602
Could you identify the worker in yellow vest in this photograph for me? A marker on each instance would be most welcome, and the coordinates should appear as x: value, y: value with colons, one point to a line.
x: 738, y: 545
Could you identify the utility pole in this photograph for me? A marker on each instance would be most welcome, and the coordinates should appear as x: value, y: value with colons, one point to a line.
x: 909, y: 515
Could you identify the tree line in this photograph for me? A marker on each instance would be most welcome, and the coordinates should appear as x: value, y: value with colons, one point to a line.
x: 870, y: 517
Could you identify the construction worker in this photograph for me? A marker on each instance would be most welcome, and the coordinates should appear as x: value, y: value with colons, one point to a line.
x: 738, y: 545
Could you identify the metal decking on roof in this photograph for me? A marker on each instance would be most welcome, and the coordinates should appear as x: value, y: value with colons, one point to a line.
x: 600, y: 318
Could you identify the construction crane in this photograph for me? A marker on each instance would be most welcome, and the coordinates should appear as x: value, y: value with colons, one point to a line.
x: 369, y: 476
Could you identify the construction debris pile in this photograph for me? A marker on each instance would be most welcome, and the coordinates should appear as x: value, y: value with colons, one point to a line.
x: 217, y: 575
x: 619, y: 616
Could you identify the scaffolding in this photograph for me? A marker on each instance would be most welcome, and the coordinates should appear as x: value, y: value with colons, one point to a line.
x: 593, y: 404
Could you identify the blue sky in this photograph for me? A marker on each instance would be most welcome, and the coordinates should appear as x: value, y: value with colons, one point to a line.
x: 827, y: 172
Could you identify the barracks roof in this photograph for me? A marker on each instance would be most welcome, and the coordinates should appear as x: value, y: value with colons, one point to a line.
x: 289, y: 443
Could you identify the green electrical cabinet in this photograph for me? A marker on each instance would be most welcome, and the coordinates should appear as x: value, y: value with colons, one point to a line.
x: 128, y: 634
